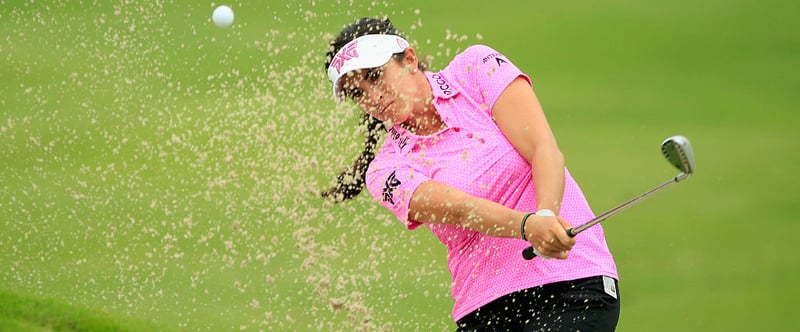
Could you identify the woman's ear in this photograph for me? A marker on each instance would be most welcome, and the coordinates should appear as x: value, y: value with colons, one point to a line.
x: 410, y: 58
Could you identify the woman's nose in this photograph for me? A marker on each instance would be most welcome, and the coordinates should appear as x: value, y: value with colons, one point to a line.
x: 376, y: 95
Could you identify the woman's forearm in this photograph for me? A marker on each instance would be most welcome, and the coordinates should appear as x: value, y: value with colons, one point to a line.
x: 438, y: 203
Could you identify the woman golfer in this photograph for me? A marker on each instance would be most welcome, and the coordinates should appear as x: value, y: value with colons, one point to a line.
x: 469, y: 155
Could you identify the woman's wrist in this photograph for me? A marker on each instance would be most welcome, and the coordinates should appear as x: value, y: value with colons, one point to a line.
x: 539, y: 213
x: 522, y: 224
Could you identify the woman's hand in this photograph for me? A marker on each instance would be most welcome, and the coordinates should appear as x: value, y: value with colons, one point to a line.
x: 548, y: 234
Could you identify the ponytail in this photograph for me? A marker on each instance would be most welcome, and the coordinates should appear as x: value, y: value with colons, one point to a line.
x: 350, y: 182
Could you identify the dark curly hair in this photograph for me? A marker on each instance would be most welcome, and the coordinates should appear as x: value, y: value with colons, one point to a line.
x: 351, y: 182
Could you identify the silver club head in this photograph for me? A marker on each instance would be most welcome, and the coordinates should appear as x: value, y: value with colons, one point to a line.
x: 678, y: 152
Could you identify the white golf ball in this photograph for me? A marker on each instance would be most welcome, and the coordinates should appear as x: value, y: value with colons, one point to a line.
x: 222, y: 16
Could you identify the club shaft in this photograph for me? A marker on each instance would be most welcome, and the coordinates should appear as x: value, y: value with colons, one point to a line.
x: 623, y: 206
x: 529, y: 253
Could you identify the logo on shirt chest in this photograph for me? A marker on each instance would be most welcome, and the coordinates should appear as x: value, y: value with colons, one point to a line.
x: 389, y: 186
x: 401, y: 140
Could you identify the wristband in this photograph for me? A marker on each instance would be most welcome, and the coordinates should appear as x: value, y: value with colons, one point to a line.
x: 541, y: 213
x: 522, y: 225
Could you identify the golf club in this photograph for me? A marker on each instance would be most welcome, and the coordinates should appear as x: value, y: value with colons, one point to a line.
x: 678, y: 152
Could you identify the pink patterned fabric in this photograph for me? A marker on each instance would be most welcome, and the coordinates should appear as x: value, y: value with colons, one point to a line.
x: 472, y: 154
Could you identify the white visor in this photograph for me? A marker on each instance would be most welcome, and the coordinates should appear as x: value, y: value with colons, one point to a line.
x: 364, y: 52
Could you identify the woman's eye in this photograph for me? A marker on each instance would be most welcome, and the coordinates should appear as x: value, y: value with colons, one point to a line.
x: 355, y: 94
x: 374, y: 75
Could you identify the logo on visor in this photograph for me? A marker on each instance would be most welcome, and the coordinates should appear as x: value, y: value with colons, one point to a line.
x: 345, y: 54
x: 388, y: 190
x: 402, y: 43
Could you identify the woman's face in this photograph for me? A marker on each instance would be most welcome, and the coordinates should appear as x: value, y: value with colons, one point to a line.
x: 389, y: 93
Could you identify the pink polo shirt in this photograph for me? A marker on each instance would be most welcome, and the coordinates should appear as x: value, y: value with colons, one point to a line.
x: 472, y: 154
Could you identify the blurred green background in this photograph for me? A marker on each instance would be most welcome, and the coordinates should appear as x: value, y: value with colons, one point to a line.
x: 156, y: 168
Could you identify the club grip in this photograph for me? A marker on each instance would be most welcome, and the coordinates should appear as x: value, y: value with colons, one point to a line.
x: 528, y: 253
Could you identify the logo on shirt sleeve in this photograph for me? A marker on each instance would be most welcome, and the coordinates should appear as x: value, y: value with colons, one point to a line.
x: 497, y: 57
x: 388, y: 189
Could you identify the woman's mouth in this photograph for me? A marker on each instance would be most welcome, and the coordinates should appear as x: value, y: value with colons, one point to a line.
x: 386, y: 107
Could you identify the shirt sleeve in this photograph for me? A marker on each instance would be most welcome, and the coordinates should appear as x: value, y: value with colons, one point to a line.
x: 391, y: 181
x: 484, y: 74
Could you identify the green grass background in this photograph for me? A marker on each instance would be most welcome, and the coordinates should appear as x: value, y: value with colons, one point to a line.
x: 160, y: 171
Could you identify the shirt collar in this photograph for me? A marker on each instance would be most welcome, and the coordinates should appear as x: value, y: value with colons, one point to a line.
x: 442, y: 89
